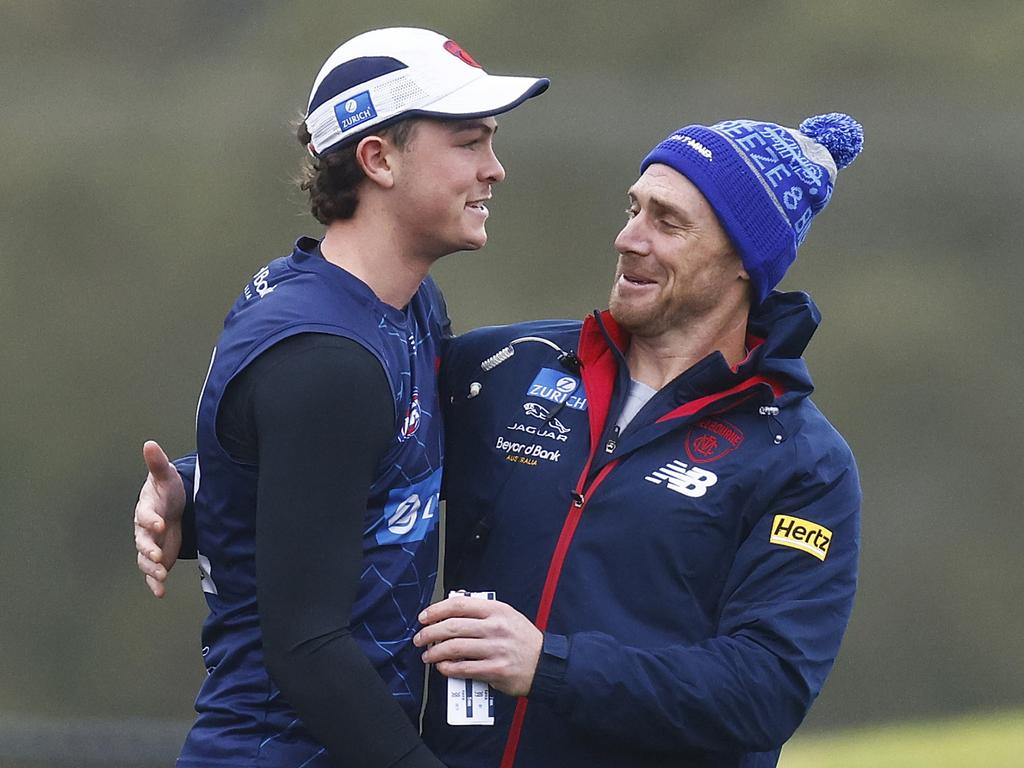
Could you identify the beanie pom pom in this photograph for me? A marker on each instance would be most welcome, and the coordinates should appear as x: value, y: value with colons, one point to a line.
x: 840, y: 134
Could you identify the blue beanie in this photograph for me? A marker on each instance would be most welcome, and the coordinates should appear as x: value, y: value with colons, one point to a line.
x: 765, y: 182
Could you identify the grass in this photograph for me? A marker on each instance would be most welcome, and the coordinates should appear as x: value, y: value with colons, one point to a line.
x: 993, y: 741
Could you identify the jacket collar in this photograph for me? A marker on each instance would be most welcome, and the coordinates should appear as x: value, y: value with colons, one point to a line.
x: 777, y: 334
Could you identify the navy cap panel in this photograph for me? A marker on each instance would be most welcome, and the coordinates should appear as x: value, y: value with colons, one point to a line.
x: 351, y: 73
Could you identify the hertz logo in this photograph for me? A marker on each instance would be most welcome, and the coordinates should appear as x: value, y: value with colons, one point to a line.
x: 800, y: 534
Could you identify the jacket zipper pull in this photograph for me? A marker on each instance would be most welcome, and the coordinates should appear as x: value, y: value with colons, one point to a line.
x: 609, y: 447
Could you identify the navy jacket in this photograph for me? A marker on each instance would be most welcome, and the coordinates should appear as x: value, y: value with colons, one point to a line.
x: 693, y: 575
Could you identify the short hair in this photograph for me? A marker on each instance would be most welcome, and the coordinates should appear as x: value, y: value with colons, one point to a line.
x: 332, y: 180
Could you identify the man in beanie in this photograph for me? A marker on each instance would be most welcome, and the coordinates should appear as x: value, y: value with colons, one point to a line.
x: 319, y: 437
x: 666, y: 524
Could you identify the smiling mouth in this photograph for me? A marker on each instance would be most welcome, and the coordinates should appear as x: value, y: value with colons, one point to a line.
x: 478, y: 205
x: 634, y: 280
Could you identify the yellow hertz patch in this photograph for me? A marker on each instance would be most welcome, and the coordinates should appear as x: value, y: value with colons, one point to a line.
x: 800, y: 534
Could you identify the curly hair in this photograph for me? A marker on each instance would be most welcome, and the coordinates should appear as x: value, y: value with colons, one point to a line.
x: 332, y: 180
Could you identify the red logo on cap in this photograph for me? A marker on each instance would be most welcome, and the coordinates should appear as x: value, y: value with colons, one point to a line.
x: 456, y: 50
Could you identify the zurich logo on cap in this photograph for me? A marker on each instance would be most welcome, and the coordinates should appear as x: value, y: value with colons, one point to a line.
x: 353, y: 112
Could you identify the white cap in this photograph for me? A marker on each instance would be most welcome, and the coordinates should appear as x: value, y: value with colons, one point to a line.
x: 387, y: 74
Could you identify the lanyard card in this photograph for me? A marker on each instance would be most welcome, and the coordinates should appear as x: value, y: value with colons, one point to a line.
x: 470, y: 702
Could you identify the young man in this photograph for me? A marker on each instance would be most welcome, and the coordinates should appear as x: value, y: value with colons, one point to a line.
x: 668, y: 507
x: 318, y: 430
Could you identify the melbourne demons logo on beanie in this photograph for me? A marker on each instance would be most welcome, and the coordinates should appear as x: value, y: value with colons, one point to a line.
x: 711, y: 439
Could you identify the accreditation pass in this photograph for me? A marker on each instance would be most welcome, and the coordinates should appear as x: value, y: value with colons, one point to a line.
x: 470, y: 702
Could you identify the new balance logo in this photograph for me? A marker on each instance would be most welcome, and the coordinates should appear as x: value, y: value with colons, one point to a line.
x: 682, y: 478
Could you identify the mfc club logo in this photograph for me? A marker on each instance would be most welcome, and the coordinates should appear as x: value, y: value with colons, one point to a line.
x: 459, y: 52
x: 412, y: 417
x: 711, y: 439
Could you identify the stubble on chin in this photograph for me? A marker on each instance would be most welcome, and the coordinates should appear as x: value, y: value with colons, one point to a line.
x: 635, y: 321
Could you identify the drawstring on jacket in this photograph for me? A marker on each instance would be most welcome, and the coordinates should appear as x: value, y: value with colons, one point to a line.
x: 776, y: 427
x: 568, y: 360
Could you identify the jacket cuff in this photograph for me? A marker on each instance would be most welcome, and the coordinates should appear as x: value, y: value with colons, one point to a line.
x: 549, y: 679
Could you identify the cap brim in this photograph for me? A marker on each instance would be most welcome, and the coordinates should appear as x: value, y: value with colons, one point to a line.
x: 485, y: 96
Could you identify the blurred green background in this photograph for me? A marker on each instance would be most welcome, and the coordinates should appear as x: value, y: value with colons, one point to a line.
x: 146, y: 173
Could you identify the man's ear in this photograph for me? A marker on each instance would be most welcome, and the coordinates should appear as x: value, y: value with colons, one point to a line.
x: 741, y: 270
x: 744, y: 277
x: 373, y: 153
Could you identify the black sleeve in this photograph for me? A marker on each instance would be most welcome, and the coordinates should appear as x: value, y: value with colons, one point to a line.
x: 322, y: 415
x: 186, y: 466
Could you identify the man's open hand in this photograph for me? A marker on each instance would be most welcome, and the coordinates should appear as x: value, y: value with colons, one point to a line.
x: 158, y: 518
